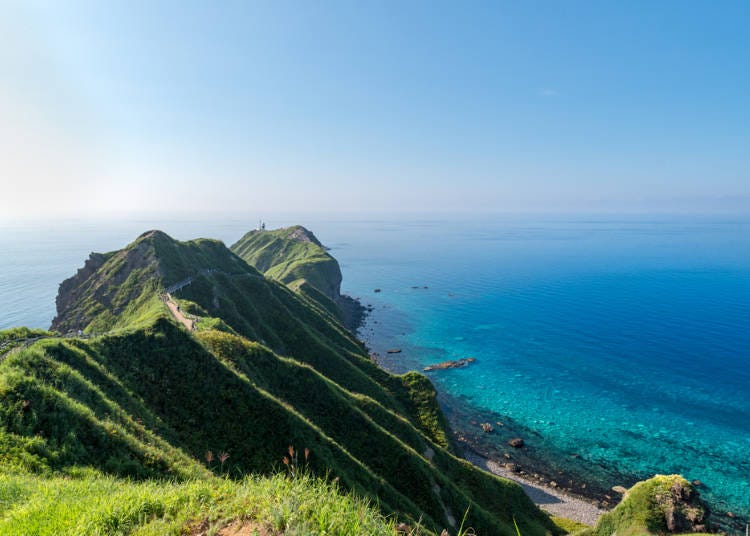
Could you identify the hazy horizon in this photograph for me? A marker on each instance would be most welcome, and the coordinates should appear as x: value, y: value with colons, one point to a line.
x: 373, y: 108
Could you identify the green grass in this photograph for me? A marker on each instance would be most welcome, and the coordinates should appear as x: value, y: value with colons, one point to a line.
x: 294, y: 262
x: 568, y: 525
x: 120, y: 289
x: 150, y: 403
x: 267, y: 367
x: 420, y: 398
x: 93, y: 504
x: 22, y: 333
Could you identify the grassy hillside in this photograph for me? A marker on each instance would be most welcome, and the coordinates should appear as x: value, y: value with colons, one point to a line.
x: 266, y: 368
x: 120, y: 289
x: 296, y: 258
x: 289, y: 255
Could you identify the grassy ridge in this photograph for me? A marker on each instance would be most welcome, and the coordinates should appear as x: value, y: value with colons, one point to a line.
x: 267, y: 368
x: 296, y: 258
x: 271, y: 314
x: 120, y: 289
x: 151, y: 403
x: 289, y: 255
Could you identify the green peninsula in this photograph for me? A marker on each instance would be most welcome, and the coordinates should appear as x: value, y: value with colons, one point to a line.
x: 296, y: 258
x: 138, y: 396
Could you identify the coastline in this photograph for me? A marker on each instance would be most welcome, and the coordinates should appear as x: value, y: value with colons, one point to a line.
x: 554, y: 488
x: 580, y: 507
x: 536, y: 460
x: 353, y: 313
x: 554, y: 501
x: 565, y: 484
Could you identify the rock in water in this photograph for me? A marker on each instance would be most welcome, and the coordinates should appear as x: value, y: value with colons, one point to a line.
x: 458, y: 363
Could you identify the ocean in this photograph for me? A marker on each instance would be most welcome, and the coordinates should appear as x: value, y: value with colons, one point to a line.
x: 618, y: 347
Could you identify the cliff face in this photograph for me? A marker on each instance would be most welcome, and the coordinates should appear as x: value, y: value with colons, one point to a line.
x: 105, y: 284
x: 70, y: 292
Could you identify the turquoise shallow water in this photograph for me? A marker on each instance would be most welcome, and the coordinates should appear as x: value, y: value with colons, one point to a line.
x: 626, y: 342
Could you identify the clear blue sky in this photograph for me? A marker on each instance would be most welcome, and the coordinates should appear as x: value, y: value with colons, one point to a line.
x: 110, y: 107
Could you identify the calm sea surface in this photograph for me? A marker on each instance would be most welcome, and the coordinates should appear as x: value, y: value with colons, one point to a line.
x: 624, y: 341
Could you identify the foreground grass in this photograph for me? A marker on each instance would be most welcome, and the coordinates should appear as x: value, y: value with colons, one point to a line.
x: 93, y: 504
x: 570, y: 526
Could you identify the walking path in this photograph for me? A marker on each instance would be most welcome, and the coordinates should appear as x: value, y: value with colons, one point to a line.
x: 12, y: 345
x: 189, y: 323
x: 187, y: 320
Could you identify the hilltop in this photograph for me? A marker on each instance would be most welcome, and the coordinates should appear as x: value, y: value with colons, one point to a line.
x: 138, y: 395
x: 295, y: 257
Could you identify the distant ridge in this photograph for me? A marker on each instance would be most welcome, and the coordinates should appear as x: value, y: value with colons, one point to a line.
x: 295, y: 257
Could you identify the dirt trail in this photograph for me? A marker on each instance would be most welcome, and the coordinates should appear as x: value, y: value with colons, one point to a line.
x: 178, y: 314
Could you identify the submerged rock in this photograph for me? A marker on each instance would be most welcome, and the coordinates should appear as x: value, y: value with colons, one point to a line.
x: 516, y: 442
x: 458, y: 363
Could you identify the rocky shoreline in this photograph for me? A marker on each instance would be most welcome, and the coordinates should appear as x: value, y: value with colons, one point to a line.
x: 554, y: 501
x: 513, y: 450
x: 562, y: 483
x: 352, y: 311
x: 583, y: 502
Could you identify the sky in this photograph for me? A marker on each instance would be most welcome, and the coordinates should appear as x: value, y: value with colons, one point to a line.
x: 185, y: 107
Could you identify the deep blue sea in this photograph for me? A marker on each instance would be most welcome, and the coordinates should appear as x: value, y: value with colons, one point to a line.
x: 624, y: 341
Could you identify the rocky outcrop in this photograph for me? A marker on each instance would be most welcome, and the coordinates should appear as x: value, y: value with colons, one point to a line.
x: 117, y: 288
x: 663, y: 504
x: 301, y: 234
x: 683, y: 509
x: 100, y: 284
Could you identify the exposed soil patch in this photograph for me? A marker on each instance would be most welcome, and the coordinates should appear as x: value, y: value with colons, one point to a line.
x: 236, y: 528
